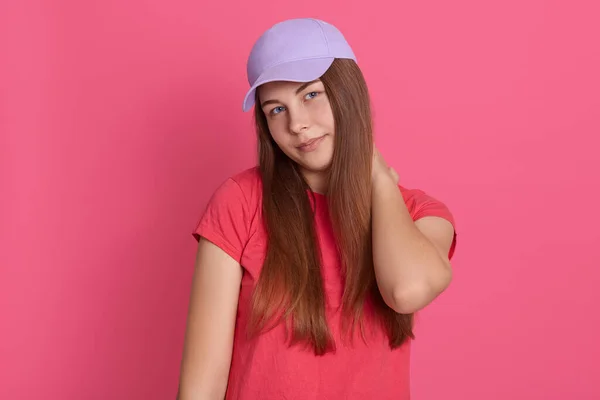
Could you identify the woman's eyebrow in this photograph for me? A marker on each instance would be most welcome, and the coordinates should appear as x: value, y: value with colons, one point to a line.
x: 307, y: 84
x: 300, y: 89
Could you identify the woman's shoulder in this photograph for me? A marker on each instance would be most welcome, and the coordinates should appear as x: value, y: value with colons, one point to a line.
x: 421, y: 203
x: 232, y: 207
x: 244, y: 186
x: 249, y: 182
x: 247, y: 178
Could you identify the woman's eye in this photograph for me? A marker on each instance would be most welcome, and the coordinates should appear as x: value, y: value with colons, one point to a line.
x: 277, y: 110
x: 311, y: 95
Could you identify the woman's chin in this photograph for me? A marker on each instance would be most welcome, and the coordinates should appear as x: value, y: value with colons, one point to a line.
x: 316, y: 167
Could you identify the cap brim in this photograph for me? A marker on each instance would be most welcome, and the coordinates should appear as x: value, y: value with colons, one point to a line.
x: 293, y: 71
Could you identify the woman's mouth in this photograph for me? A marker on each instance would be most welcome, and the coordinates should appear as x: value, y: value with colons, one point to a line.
x: 311, y: 145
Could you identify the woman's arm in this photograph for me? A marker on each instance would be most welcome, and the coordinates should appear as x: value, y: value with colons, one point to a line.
x: 210, y: 325
x: 410, y: 259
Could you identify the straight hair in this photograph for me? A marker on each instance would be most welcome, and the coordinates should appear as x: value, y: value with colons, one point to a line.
x: 290, y: 286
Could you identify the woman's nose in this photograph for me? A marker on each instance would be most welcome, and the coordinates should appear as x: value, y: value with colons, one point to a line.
x: 299, y: 120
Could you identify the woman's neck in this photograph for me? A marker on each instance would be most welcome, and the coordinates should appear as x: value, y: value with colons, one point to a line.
x: 318, y: 181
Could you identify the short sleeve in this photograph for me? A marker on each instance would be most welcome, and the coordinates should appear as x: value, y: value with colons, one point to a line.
x: 225, y: 220
x: 420, y: 205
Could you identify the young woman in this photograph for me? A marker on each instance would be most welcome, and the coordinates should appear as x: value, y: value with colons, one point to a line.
x: 311, y: 265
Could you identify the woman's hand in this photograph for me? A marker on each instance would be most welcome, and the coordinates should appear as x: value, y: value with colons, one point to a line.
x: 381, y: 169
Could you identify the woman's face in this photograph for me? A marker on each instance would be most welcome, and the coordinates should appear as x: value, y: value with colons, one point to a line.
x: 301, y: 122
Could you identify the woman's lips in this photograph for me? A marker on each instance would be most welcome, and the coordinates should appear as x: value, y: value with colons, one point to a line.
x: 311, y: 145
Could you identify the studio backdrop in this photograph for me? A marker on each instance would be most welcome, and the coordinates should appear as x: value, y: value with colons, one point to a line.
x: 118, y: 119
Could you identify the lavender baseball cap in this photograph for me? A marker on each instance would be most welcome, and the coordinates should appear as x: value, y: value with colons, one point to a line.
x: 296, y: 50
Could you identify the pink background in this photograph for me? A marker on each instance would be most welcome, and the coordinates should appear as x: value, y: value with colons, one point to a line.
x: 119, y: 118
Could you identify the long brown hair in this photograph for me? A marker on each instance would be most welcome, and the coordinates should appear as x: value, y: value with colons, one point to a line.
x: 290, y: 286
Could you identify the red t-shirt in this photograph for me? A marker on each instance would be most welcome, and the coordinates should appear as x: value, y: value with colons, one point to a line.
x: 265, y: 367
